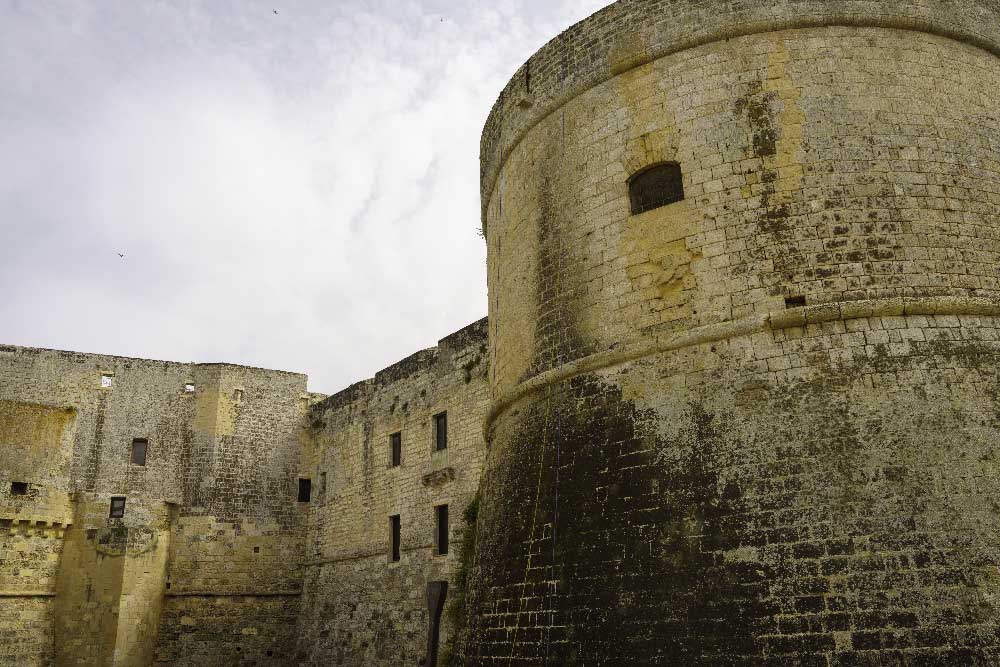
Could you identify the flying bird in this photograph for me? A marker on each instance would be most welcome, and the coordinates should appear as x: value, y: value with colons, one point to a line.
x: 275, y: 11
x: 121, y: 255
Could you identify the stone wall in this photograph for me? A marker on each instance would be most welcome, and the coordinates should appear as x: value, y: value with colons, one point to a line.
x: 685, y: 466
x: 214, y: 504
x: 359, y: 608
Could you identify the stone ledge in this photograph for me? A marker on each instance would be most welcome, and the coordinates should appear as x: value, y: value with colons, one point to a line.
x: 438, y: 477
x: 784, y: 319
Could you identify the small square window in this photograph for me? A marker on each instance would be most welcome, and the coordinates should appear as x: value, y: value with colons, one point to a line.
x: 117, y: 507
x: 396, y: 449
x: 18, y: 488
x: 441, y: 524
x: 139, y: 448
x: 107, y: 380
x: 441, y: 431
x: 798, y: 301
x: 189, y: 388
x: 238, y: 396
x: 305, y: 490
x: 394, y: 529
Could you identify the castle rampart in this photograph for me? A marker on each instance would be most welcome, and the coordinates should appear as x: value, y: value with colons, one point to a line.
x: 204, y: 511
x: 361, y: 605
x: 735, y: 403
x: 716, y: 415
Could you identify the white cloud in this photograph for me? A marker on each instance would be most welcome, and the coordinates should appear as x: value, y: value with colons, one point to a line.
x: 296, y: 191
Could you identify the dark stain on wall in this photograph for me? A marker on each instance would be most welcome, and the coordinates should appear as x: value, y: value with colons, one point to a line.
x: 581, y: 498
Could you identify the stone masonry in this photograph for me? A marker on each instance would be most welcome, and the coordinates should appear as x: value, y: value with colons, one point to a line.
x: 207, y: 566
x: 756, y: 425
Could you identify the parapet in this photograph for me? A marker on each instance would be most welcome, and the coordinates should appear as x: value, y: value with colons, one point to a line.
x: 471, y: 335
x: 630, y: 33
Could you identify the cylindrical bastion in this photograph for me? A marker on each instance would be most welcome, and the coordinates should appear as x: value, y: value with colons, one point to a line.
x: 757, y: 425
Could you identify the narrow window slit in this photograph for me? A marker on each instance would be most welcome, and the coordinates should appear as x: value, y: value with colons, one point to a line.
x: 139, y: 448
x: 396, y: 449
x: 441, y: 524
x: 441, y: 431
x: 305, y: 490
x: 394, y: 530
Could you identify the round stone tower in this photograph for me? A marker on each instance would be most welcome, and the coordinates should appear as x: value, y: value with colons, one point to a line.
x: 744, y: 271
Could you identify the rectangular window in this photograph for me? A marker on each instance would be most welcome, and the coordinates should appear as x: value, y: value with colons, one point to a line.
x: 441, y: 431
x: 139, y: 448
x: 396, y: 445
x: 18, y: 488
x: 441, y: 521
x: 117, y: 507
x: 322, y: 485
x: 107, y: 381
x: 798, y: 301
x: 305, y: 490
x: 394, y: 528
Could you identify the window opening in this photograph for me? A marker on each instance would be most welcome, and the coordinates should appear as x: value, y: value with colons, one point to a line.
x: 18, y: 488
x: 396, y: 445
x: 139, y: 448
x: 656, y: 186
x: 189, y: 388
x: 117, y: 507
x: 322, y: 484
x: 795, y: 301
x: 107, y: 381
x: 394, y: 527
x: 441, y: 515
x: 305, y: 490
x: 441, y: 431
x: 238, y: 396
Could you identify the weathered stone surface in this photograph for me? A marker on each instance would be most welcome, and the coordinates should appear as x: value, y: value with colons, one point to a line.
x: 682, y: 470
x: 211, y: 511
x: 756, y: 427
x: 359, y: 608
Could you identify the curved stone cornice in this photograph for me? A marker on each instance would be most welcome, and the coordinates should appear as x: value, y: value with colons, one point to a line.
x: 773, y: 321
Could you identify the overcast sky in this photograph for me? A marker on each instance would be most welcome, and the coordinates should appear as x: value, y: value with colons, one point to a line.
x: 294, y: 190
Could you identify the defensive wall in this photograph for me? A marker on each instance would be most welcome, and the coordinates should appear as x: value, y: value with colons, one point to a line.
x: 360, y: 607
x: 736, y: 405
x: 756, y: 424
x: 255, y: 530
x: 174, y: 580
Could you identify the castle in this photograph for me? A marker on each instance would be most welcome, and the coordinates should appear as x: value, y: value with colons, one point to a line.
x: 735, y: 403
